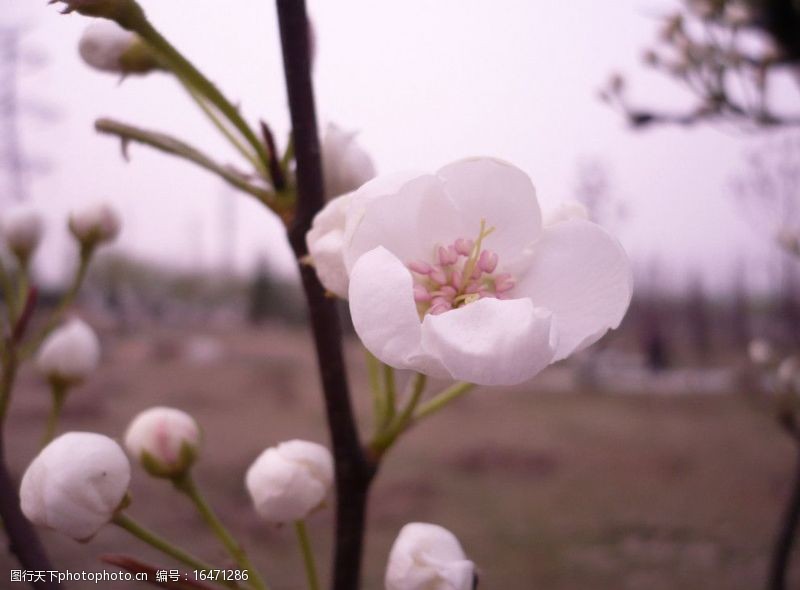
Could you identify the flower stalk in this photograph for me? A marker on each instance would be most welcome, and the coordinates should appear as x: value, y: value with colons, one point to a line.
x: 186, y: 485
x: 304, y: 542
x: 149, y: 537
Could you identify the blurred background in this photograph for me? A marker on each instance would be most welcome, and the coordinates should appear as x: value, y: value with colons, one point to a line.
x: 652, y: 460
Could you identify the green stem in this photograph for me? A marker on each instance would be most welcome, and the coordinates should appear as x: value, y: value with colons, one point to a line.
x: 222, y: 128
x: 378, y: 398
x: 59, y: 393
x: 152, y: 539
x: 390, y: 391
x: 308, y: 554
x: 386, y: 438
x: 8, y: 292
x: 184, y: 69
x: 66, y: 302
x: 176, y: 147
x: 440, y: 400
x: 188, y: 486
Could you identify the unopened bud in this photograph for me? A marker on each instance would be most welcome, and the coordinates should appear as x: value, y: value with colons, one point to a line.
x: 69, y: 354
x: 289, y: 481
x: 165, y: 441
x: 76, y: 484
x: 108, y: 47
x: 22, y: 229
x: 94, y: 225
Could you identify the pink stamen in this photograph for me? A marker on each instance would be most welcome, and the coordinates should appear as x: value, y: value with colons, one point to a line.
x: 487, y: 261
x: 463, y: 247
x: 447, y: 256
x: 504, y: 282
x: 421, y: 294
x: 438, y: 276
x: 420, y: 267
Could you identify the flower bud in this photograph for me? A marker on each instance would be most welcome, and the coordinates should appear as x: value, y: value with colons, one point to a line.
x: 428, y: 557
x: 69, y: 353
x: 289, y: 481
x: 760, y: 351
x: 22, y: 229
x: 789, y: 371
x: 346, y: 166
x: 165, y: 440
x: 76, y: 484
x: 94, y: 224
x: 108, y: 47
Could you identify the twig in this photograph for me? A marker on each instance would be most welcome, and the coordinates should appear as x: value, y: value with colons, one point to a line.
x: 782, y: 550
x: 354, y: 471
x: 176, y: 147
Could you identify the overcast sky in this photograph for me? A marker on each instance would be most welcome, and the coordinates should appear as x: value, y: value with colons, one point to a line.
x: 425, y: 82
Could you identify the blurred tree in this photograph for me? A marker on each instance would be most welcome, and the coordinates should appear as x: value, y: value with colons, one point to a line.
x: 726, y: 53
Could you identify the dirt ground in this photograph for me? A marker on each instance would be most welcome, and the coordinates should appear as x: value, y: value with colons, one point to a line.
x: 545, y: 490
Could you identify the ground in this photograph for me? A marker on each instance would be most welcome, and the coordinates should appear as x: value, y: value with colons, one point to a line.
x: 545, y: 490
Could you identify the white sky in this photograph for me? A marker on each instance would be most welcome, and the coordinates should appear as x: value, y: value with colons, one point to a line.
x: 426, y: 82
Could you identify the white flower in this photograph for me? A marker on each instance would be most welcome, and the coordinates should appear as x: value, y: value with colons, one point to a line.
x: 94, y: 224
x: 108, y: 47
x: 69, y: 353
x: 345, y: 165
x: 22, y: 229
x: 289, y: 481
x: 164, y: 440
x: 428, y: 557
x: 760, y: 351
x: 76, y: 484
x: 454, y: 275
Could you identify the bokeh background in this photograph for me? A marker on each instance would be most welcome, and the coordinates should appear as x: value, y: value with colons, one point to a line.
x: 653, y: 460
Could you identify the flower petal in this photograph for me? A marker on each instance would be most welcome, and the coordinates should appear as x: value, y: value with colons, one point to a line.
x: 500, y: 193
x: 407, y: 216
x: 384, y: 313
x: 580, y: 273
x: 491, y: 342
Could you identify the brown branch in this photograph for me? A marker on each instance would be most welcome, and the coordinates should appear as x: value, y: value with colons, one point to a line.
x: 787, y: 533
x: 354, y: 471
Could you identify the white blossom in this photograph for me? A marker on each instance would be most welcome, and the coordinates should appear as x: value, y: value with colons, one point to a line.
x: 454, y: 274
x: 22, y: 228
x: 346, y: 166
x: 95, y: 224
x: 76, y: 484
x: 760, y: 351
x: 289, y: 481
x: 428, y: 557
x: 108, y: 47
x: 164, y: 440
x: 70, y: 353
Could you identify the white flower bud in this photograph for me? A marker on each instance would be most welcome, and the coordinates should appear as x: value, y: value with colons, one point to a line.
x: 789, y: 371
x: 760, y: 351
x: 108, y: 47
x: 94, y: 224
x: 346, y: 166
x: 428, y: 557
x: 69, y: 353
x: 76, y: 484
x: 22, y: 229
x: 289, y: 481
x: 164, y: 440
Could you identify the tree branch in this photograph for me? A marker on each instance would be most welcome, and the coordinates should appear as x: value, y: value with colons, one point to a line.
x: 354, y: 471
x: 782, y: 550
